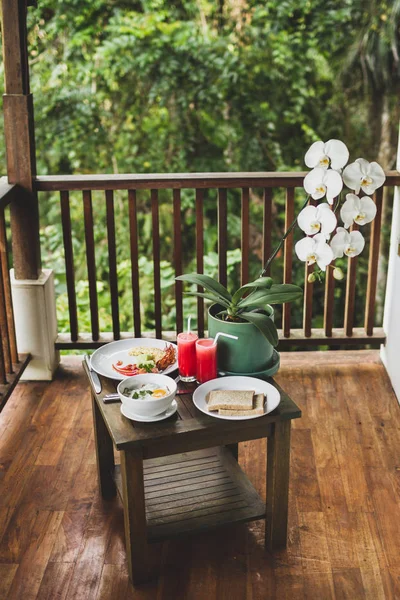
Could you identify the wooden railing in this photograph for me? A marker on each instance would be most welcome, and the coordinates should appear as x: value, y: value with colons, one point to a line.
x: 11, y: 365
x: 326, y: 335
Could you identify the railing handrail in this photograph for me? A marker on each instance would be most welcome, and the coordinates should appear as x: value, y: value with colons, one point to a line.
x: 8, y: 192
x: 111, y: 181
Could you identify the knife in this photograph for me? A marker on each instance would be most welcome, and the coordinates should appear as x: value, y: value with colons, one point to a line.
x: 93, y: 375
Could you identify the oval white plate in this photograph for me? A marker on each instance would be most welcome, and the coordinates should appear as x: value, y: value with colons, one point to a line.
x: 167, y: 413
x: 272, y: 395
x: 104, y: 357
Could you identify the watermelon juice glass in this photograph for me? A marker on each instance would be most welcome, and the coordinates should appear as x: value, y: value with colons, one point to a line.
x: 187, y: 356
x: 206, y: 359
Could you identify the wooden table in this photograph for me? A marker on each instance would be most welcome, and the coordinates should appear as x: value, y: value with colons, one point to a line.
x: 181, y: 475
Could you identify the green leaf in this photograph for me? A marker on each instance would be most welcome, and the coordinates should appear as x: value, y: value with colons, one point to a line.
x: 277, y: 294
x: 265, y: 324
x: 208, y: 283
x: 260, y: 283
x: 215, y: 299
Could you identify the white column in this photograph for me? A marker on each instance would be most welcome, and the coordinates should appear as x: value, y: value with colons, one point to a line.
x: 390, y: 352
x: 36, y: 323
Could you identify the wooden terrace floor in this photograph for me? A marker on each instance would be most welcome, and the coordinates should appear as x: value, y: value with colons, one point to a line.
x: 59, y: 540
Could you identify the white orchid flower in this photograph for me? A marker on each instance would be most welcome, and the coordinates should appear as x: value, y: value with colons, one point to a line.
x: 362, y: 174
x: 357, y: 210
x: 333, y: 153
x: 315, y: 250
x: 319, y: 182
x: 316, y: 219
x: 348, y: 243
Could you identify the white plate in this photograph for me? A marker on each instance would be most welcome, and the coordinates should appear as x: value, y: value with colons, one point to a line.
x: 164, y: 415
x: 272, y: 395
x: 104, y: 357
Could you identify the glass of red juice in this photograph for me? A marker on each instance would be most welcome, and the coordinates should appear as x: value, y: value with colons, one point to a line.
x: 206, y: 359
x: 187, y: 356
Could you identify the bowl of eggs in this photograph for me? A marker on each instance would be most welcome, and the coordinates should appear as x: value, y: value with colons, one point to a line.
x: 147, y: 395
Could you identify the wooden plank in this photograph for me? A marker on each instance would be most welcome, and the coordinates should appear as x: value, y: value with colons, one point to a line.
x: 200, y: 257
x: 350, y: 299
x: 7, y: 288
x: 133, y: 231
x: 329, y: 302
x: 91, y: 262
x: 222, y: 235
x: 265, y: 179
x: 178, y: 259
x: 244, y: 269
x: 112, y: 262
x: 373, y: 264
x: 156, y: 262
x: 267, y: 228
x: 8, y: 192
x: 288, y: 258
x: 69, y: 264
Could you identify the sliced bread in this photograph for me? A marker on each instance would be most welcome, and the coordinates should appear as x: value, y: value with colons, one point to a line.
x: 258, y: 409
x: 230, y: 400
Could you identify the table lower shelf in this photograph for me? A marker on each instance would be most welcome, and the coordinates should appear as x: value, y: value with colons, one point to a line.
x: 195, y: 491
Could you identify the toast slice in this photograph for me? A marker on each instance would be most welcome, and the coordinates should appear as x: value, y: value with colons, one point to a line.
x: 230, y: 400
x: 258, y: 409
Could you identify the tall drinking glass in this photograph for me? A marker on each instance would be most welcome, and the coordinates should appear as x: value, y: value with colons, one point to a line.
x: 206, y: 359
x: 187, y: 356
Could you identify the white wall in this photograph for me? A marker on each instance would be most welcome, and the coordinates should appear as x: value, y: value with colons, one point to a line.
x: 390, y: 353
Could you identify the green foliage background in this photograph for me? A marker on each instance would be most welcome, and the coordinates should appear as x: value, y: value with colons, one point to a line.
x: 195, y: 85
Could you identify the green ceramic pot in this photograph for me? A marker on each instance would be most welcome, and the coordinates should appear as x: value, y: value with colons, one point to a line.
x: 252, y: 352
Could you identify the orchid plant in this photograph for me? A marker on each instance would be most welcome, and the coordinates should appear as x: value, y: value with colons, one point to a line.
x: 319, y: 222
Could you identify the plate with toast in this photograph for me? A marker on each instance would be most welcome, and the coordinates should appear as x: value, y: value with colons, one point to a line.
x: 236, y: 398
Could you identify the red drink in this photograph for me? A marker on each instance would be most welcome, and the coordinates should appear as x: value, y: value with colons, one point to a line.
x: 206, y: 355
x: 187, y: 356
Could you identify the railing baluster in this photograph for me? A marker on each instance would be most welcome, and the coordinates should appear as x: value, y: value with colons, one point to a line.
x: 244, y: 271
x: 5, y: 343
x: 267, y: 228
x: 5, y: 269
x: 288, y: 257
x: 3, y: 378
x: 134, y: 248
x: 112, y: 262
x: 200, y: 257
x: 328, y: 302
x: 156, y: 261
x: 350, y: 292
x: 91, y: 262
x: 69, y: 264
x: 178, y: 259
x: 308, y: 298
x: 373, y: 264
x: 222, y: 235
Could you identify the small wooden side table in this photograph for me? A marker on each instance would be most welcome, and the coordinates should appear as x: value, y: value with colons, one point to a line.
x: 181, y: 475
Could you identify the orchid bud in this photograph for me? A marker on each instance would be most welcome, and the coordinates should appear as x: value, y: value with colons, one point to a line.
x: 311, y: 278
x: 338, y: 273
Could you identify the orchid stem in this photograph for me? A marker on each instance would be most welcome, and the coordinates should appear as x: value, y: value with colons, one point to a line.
x: 279, y: 246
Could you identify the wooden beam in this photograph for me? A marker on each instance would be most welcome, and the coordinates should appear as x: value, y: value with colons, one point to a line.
x: 20, y: 140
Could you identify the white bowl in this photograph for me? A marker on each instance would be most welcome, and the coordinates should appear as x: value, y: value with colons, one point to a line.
x: 151, y: 406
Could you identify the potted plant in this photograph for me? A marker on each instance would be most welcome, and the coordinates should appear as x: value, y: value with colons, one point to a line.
x: 247, y: 314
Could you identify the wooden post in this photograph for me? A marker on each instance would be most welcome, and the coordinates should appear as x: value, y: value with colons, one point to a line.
x: 20, y: 140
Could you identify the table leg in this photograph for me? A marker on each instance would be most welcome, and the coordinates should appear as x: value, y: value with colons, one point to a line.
x: 234, y: 449
x: 104, y: 453
x: 134, y: 515
x: 278, y: 459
